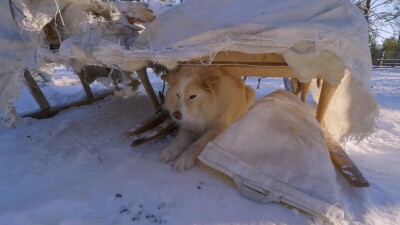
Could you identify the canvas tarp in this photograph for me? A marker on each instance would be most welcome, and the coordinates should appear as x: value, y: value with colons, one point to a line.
x: 277, y: 152
x: 326, y: 39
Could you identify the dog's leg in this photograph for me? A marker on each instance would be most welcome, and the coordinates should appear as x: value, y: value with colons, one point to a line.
x: 188, y: 158
x: 176, y: 147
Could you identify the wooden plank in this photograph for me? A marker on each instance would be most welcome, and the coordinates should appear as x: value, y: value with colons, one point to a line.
x: 142, y: 73
x: 148, y: 124
x: 255, y: 71
x: 243, y: 64
x: 304, y: 91
x: 85, y: 85
x: 338, y: 156
x: 54, y: 111
x: 235, y: 56
x: 227, y: 63
x: 52, y: 37
x: 327, y: 92
x: 165, y: 128
x: 345, y: 165
x: 35, y: 91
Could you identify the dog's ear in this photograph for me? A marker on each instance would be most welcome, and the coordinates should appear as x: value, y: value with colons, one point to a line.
x: 169, y: 78
x: 211, y: 82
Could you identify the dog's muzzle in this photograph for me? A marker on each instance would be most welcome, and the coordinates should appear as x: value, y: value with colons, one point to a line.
x: 177, y: 115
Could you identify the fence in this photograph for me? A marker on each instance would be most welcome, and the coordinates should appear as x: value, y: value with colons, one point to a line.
x: 385, y: 59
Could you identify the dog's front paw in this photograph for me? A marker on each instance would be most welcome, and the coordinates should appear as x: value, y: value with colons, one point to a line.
x: 169, y: 154
x: 184, y: 162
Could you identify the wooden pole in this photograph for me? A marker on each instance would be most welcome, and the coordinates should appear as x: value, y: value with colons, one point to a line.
x: 54, y: 111
x: 142, y: 73
x: 383, y: 56
x: 35, y: 91
x: 85, y: 85
x: 325, y: 98
x: 345, y: 165
x: 304, y: 91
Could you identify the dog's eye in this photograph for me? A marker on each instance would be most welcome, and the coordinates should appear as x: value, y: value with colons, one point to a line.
x: 177, y: 95
x: 192, y: 96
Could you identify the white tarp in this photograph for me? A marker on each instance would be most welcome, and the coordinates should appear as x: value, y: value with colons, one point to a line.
x: 15, y: 53
x: 328, y: 39
x: 277, y: 152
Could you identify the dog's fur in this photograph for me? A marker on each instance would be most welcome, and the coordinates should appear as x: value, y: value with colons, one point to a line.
x: 204, y: 101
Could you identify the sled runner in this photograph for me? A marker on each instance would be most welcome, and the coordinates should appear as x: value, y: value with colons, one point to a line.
x: 345, y: 165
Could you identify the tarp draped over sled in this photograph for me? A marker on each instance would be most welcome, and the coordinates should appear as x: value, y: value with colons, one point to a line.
x: 326, y: 39
x: 287, y: 162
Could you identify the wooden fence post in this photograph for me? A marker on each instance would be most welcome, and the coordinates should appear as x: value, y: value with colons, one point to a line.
x: 383, y: 56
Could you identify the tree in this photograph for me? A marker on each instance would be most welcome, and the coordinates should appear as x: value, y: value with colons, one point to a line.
x: 390, y: 45
x: 390, y: 52
x: 380, y: 13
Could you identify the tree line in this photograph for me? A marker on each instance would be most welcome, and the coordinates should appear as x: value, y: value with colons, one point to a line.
x: 383, y: 18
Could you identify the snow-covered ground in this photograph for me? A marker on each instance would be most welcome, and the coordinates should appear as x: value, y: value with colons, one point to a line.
x: 77, y: 168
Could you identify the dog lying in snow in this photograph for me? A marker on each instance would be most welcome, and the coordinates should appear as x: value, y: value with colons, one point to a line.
x: 204, y: 101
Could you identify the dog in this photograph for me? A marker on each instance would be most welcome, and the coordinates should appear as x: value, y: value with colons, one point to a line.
x: 204, y: 101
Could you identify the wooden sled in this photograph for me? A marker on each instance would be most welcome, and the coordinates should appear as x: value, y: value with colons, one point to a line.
x: 257, y: 65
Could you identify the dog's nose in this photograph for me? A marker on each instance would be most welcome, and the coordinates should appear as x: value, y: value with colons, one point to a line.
x: 177, y: 115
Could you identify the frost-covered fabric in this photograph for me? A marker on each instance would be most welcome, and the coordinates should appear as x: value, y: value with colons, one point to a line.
x: 325, y: 39
x: 293, y: 168
x: 13, y: 50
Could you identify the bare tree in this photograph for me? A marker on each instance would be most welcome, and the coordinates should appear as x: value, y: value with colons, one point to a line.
x: 381, y: 13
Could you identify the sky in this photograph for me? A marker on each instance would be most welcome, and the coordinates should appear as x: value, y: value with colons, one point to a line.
x: 389, y: 31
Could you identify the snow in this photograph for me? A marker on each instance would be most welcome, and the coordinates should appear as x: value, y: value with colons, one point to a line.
x: 77, y: 168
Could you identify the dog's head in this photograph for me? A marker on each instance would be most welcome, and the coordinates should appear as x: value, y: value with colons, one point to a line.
x: 191, y: 97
